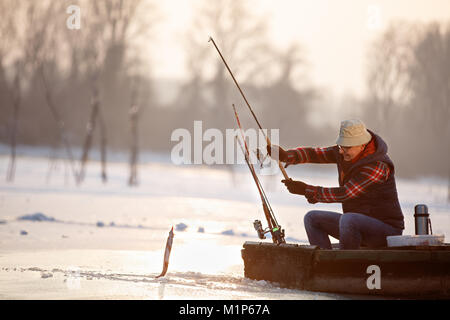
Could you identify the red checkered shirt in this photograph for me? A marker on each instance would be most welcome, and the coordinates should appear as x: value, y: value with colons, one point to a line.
x: 377, y: 172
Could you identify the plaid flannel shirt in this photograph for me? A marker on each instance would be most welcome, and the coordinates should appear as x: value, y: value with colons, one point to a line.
x: 368, y: 175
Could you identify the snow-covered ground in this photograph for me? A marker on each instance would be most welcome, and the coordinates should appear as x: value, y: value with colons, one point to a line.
x: 101, y: 241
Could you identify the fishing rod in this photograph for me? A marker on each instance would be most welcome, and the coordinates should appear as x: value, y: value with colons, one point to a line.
x: 271, y: 216
x: 248, y: 105
x: 274, y: 228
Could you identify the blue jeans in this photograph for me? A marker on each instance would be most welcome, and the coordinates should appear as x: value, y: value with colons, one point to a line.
x: 352, y: 230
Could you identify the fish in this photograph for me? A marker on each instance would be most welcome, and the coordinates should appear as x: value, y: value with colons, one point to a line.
x: 167, y: 253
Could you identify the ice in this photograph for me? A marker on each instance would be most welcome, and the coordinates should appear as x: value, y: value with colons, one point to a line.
x: 116, y: 235
x: 294, y: 240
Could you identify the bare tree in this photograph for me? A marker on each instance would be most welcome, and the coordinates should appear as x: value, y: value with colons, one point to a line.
x: 10, y: 44
x: 388, y: 79
x: 87, y: 55
x: 287, y: 101
x: 240, y: 34
x: 112, y: 26
x: 134, y: 142
x: 430, y: 76
x: 95, y: 118
x: 408, y: 84
x: 29, y: 34
x: 43, y: 37
x: 16, y: 101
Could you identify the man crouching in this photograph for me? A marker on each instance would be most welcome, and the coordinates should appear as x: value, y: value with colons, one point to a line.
x: 367, y: 190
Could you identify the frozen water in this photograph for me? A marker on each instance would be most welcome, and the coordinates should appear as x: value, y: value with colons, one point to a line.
x: 66, y: 254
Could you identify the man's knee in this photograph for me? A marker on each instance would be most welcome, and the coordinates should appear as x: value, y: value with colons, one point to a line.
x: 348, y: 220
x: 311, y: 216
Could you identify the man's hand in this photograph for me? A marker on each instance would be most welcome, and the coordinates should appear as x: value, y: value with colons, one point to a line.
x: 296, y: 187
x: 277, y: 152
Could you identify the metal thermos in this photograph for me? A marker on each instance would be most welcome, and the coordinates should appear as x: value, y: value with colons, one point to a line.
x: 422, y: 219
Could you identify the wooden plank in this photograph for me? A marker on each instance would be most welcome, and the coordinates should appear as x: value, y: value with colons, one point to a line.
x: 403, y: 272
x: 373, y: 255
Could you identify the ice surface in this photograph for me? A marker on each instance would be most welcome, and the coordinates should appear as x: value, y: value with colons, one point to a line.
x: 68, y: 255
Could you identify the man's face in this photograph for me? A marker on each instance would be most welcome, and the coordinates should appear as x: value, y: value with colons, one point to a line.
x: 349, y: 153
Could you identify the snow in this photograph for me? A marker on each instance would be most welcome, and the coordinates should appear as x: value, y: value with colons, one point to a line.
x: 180, y: 227
x: 228, y: 232
x: 36, y: 217
x: 107, y: 241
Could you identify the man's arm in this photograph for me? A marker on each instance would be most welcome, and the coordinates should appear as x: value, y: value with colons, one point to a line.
x: 369, y: 175
x: 311, y: 155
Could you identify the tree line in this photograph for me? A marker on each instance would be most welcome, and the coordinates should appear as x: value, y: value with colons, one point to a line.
x: 94, y: 87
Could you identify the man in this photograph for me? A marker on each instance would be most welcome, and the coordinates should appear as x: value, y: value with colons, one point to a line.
x: 367, y: 190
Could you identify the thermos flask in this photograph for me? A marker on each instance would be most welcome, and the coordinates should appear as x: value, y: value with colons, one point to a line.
x: 422, y: 219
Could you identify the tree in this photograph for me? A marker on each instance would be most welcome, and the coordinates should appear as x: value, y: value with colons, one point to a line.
x: 240, y: 34
x: 11, y: 89
x: 287, y: 101
x: 409, y: 91
x: 388, y: 79
x: 430, y: 82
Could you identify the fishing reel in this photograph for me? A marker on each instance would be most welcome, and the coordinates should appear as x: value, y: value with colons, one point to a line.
x: 278, y: 235
x: 277, y: 232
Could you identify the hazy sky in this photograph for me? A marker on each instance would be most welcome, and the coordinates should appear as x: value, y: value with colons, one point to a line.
x: 335, y: 34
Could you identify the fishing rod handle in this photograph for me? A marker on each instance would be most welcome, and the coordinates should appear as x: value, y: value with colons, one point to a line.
x: 283, y: 171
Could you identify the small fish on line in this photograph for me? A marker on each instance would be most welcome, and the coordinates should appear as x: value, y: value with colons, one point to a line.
x: 167, y: 253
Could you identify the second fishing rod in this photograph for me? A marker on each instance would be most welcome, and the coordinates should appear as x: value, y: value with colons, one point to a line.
x: 283, y: 171
x: 273, y: 227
